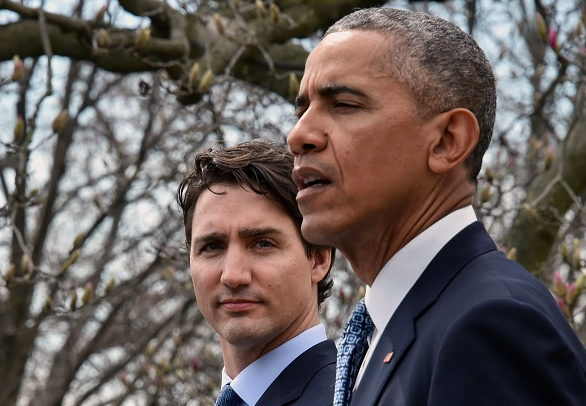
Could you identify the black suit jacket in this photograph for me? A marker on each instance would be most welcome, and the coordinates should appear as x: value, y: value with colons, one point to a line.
x: 476, y: 329
x: 307, y: 381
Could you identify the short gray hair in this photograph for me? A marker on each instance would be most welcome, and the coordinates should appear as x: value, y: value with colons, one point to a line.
x: 442, y: 65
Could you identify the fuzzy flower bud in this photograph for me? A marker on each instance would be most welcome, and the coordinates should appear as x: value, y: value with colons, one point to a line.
x: 69, y: 261
x: 48, y: 306
x: 104, y: 40
x: 485, y: 194
x: 512, y: 254
x: 9, y: 275
x: 73, y: 300
x: 193, y: 73
x: 78, y: 240
x: 541, y: 26
x: 559, y: 287
x: 219, y: 24
x: 87, y: 293
x: 141, y: 38
x: 275, y: 13
x: 110, y: 286
x: 101, y: 12
x: 552, y: 39
x: 18, y: 68
x: 261, y: 10
x: 489, y: 175
x: 18, y: 129
x: 60, y: 121
x: 293, y: 85
x: 206, y: 81
x: 25, y: 264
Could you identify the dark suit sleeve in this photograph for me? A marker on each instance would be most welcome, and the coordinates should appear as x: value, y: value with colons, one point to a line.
x: 505, y: 352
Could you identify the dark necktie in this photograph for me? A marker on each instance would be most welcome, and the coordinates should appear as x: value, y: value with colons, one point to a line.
x: 228, y: 397
x: 351, y: 350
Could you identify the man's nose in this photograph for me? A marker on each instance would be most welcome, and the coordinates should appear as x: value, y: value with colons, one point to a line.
x: 236, y: 269
x: 308, y: 134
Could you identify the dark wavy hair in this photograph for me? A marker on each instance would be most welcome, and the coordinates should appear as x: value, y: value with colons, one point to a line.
x: 261, y: 166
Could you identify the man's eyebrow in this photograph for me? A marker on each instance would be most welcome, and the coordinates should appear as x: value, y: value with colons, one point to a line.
x: 209, y: 237
x: 257, y: 232
x: 335, y: 90
x: 329, y: 91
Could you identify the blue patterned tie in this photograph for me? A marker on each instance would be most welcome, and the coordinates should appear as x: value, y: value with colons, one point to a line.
x: 351, y: 350
x: 228, y: 397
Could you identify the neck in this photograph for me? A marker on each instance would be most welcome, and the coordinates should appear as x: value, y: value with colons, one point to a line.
x: 380, y: 240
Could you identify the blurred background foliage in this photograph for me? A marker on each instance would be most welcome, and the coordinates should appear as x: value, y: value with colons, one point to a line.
x: 104, y: 103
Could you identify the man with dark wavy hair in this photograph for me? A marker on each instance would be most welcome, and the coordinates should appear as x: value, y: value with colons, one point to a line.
x: 395, y: 112
x: 257, y: 281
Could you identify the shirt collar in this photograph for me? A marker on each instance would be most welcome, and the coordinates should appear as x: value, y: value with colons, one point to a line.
x: 401, y: 272
x: 254, y: 380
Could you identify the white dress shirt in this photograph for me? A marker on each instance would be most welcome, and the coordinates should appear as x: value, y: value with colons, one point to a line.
x: 254, y: 380
x: 402, y: 271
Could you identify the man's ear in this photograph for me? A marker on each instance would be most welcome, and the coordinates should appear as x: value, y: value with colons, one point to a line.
x: 322, y: 258
x: 458, y: 134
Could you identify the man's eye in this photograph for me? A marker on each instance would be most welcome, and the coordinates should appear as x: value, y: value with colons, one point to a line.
x: 264, y: 243
x: 213, y: 246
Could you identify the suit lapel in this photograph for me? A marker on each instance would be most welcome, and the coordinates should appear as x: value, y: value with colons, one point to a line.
x: 291, y: 383
x: 399, y: 334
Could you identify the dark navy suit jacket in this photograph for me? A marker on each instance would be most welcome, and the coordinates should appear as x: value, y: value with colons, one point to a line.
x: 476, y: 329
x: 307, y: 381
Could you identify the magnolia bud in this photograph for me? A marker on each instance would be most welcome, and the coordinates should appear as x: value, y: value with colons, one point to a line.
x: 104, y: 40
x: 69, y: 261
x: 151, y: 348
x: 9, y: 275
x: 293, y: 85
x: 206, y: 81
x: 218, y: 23
x: 78, y: 240
x: 512, y: 254
x: 552, y: 39
x: 485, y: 194
x: 541, y: 26
x: 60, y: 121
x: 489, y: 175
x: 48, y: 305
x: 18, y: 68
x: 110, y: 286
x: 141, y: 38
x: 275, y: 13
x: 87, y: 293
x: 18, y: 129
x: 548, y: 158
x: 25, y: 264
x: 101, y: 12
x: 559, y: 287
x: 73, y: 300
x: 261, y: 10
x: 193, y: 72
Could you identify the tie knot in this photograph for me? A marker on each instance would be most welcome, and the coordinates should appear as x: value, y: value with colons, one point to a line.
x: 228, y: 397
